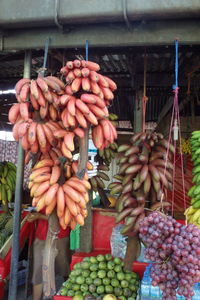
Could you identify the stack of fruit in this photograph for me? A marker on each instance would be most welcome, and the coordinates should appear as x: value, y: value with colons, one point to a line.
x: 106, y: 155
x: 57, y: 186
x: 175, y: 249
x: 185, y: 146
x: 7, y: 181
x: 145, y: 173
x: 101, y: 275
x: 193, y: 212
x: 6, y: 228
x: 49, y: 120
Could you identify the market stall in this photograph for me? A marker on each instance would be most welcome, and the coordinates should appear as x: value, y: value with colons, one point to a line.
x: 111, y: 147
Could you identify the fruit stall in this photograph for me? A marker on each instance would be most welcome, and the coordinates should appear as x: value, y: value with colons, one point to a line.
x: 103, y: 111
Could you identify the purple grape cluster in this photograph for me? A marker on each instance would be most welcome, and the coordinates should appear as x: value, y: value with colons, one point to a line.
x: 175, y: 249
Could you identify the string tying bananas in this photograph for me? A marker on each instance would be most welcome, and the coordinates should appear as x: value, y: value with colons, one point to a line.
x: 141, y: 177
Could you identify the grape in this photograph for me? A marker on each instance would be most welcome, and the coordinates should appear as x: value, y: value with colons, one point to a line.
x: 175, y: 249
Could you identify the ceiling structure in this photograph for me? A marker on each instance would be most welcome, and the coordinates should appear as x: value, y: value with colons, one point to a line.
x: 126, y: 67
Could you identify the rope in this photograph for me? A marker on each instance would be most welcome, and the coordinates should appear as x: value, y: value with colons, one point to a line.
x: 144, y: 98
x: 175, y: 119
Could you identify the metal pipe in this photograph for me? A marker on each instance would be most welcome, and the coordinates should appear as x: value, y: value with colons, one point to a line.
x: 18, y: 197
x: 37, y: 13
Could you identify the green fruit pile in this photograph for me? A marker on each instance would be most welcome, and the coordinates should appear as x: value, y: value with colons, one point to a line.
x: 101, y: 275
x: 194, y: 192
x: 7, y: 181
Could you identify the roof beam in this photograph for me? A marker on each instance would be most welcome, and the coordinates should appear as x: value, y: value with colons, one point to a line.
x: 142, y: 34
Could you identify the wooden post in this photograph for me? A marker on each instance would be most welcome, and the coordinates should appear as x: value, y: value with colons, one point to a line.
x: 86, y: 230
x: 133, y: 243
x: 50, y: 253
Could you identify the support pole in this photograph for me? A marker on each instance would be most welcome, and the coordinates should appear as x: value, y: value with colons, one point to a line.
x: 133, y: 243
x: 18, y: 199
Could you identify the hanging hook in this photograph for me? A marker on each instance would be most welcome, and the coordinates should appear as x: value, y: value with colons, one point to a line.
x: 86, y: 50
x: 56, y: 15
x: 128, y: 24
x: 42, y: 70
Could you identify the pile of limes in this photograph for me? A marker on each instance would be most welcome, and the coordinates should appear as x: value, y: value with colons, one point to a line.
x: 101, y: 275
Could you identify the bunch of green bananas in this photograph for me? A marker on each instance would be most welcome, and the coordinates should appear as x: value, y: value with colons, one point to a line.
x: 109, y: 153
x: 7, y: 181
x: 193, y: 216
x: 194, y: 191
x: 97, y: 181
x: 185, y: 146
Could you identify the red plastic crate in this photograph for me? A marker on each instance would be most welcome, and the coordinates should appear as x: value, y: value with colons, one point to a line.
x: 58, y: 297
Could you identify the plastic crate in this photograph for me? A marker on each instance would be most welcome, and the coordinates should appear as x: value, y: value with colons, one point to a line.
x: 22, y: 272
x: 58, y: 297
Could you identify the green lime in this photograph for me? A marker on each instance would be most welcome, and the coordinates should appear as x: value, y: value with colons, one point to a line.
x: 73, y: 273
x: 100, y: 289
x: 134, y: 295
x: 102, y: 265
x: 73, y: 279
x: 70, y: 293
x: 93, y: 260
x: 110, y: 265
x: 97, y: 281
x: 85, y: 265
x: 109, y: 289
x: 80, y: 280
x: 122, y: 298
x: 85, y: 273
x: 93, y: 274
x: 134, y: 275
x: 132, y: 281
x: 92, y: 288
x: 101, y: 274
x: 77, y: 272
x: 94, y: 267
x: 88, y: 280
x: 118, y: 291
x: 108, y: 257
x: 124, y: 284
x: 100, y: 257
x: 111, y: 274
x: 76, y: 287
x: 78, y: 297
x: 117, y: 261
x: 63, y: 292
x: 131, y: 298
x: 132, y: 287
x: 84, y: 287
x: 78, y: 293
x: 120, y: 276
x: 106, y: 281
x: 128, y: 276
x: 118, y: 268
x: 115, y: 282
x: 67, y: 284
x: 127, y: 292
x: 87, y: 258
x: 77, y: 266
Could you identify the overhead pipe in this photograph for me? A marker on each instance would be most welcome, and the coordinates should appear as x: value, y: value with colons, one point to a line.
x: 18, y: 200
x: 17, y: 14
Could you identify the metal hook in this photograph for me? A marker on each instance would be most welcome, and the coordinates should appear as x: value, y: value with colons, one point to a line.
x: 128, y: 24
x: 56, y: 15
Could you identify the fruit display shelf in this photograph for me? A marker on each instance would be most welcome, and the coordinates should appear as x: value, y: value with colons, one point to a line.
x: 27, y: 231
